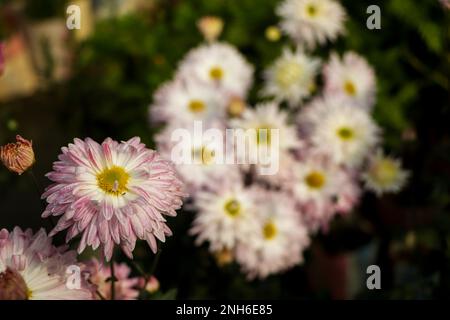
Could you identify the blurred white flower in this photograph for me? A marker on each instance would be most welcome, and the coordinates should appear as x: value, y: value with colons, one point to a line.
x: 279, y: 240
x: 350, y: 78
x: 219, y: 65
x: 312, y: 22
x: 203, y: 163
x: 291, y: 77
x: 384, y: 174
x: 225, y: 214
x: 181, y: 102
x: 341, y: 130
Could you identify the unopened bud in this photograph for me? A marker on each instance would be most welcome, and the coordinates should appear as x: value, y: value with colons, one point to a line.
x: 18, y: 156
x: 211, y: 27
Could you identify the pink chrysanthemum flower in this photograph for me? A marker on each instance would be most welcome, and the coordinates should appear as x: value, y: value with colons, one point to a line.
x: 125, y: 287
x: 31, y: 268
x: 113, y: 193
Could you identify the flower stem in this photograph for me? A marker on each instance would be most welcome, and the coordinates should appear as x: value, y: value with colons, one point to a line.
x: 113, y: 279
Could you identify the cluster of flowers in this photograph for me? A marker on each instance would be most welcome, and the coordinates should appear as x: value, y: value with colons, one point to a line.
x: 328, y: 141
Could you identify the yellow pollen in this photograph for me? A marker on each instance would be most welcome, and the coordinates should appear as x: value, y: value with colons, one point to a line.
x: 311, y: 10
x: 269, y: 230
x: 345, y: 133
x: 113, y: 180
x: 232, y: 208
x: 263, y: 135
x: 315, y: 180
x: 205, y: 155
x: 288, y: 73
x: 196, y: 106
x: 216, y: 73
x: 349, y: 88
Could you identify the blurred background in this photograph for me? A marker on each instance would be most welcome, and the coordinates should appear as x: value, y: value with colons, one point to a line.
x: 98, y: 82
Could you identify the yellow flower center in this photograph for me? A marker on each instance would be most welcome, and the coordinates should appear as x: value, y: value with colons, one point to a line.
x: 263, y: 135
x: 205, y: 155
x: 232, y: 208
x: 311, y: 10
x: 345, y: 133
x: 315, y: 180
x: 349, y: 88
x: 113, y: 180
x: 385, y: 172
x: 196, y: 106
x: 287, y: 74
x: 269, y: 230
x: 216, y: 73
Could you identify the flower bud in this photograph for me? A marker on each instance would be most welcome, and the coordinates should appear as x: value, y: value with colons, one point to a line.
x: 19, y: 156
x: 211, y: 27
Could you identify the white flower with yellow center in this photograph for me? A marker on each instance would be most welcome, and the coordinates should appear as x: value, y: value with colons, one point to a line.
x: 351, y: 78
x: 225, y: 214
x: 312, y: 22
x: 347, y: 134
x: 219, y: 65
x: 182, y: 102
x: 291, y: 77
x: 32, y: 268
x: 314, y: 179
x: 385, y: 174
x: 279, y: 240
x: 197, y: 158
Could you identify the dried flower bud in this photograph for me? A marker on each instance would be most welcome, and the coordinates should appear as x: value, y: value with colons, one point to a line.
x: 19, y: 156
x: 211, y: 27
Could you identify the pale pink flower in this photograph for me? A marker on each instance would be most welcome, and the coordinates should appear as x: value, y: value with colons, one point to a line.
x: 220, y: 65
x: 225, y: 214
x: 279, y: 239
x: 181, y: 102
x: 125, y: 287
x: 350, y: 78
x: 31, y: 268
x: 113, y: 193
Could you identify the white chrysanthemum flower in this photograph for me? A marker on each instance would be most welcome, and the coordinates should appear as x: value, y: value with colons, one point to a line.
x: 291, y: 77
x: 219, y: 65
x: 272, y: 133
x: 225, y: 214
x: 314, y: 179
x: 182, y: 102
x: 312, y: 22
x: 385, y: 174
x: 32, y: 268
x: 197, y: 158
x: 351, y: 78
x: 279, y: 240
x: 346, y: 133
